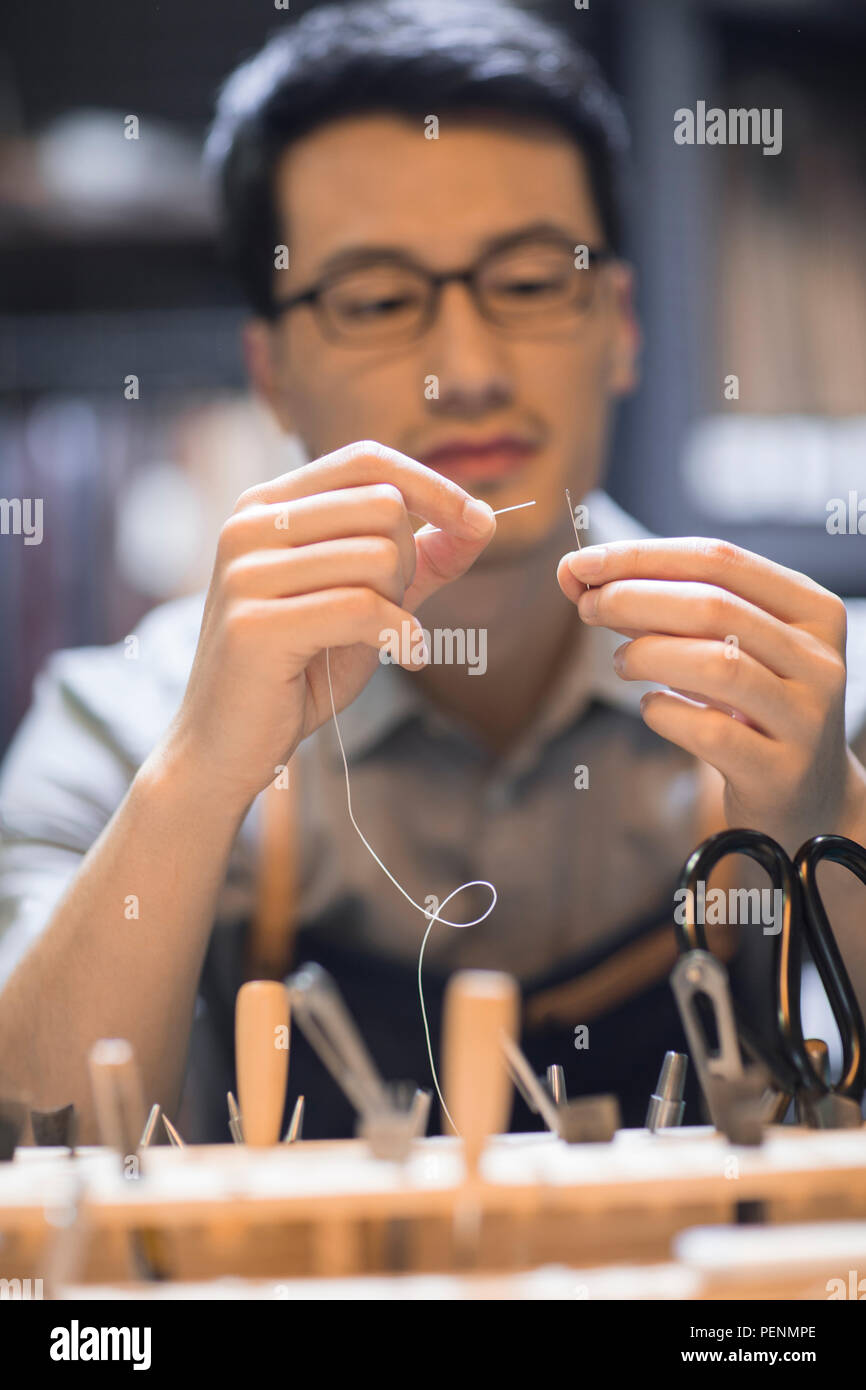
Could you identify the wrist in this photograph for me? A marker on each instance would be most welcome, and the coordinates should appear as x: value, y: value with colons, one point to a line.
x: 182, y: 776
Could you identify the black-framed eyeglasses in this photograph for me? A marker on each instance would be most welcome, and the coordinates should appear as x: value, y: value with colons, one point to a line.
x: 389, y: 299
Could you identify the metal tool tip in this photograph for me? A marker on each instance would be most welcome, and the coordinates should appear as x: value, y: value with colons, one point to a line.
x: 672, y: 1077
x: 556, y: 1084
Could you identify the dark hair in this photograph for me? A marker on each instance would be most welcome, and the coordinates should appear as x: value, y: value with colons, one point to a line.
x: 412, y: 58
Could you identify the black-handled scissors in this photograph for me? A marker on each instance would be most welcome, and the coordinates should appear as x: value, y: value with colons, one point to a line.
x: 802, y: 917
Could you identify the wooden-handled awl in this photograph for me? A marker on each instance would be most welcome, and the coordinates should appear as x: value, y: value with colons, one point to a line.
x: 480, y: 1006
x: 262, y: 1058
x: 118, y: 1099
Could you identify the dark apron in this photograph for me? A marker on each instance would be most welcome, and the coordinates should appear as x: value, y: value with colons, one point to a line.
x: 625, y: 1051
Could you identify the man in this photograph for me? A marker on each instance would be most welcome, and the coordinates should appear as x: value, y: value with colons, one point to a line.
x: 460, y: 301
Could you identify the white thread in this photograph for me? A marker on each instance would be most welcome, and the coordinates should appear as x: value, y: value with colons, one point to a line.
x: 518, y: 507
x: 423, y: 910
x: 436, y: 916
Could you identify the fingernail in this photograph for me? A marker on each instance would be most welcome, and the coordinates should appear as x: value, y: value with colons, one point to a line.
x: 477, y: 515
x: 588, y: 561
x: 618, y: 658
x: 588, y: 603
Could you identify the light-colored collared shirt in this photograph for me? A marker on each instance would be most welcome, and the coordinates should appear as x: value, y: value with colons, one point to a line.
x: 574, y: 865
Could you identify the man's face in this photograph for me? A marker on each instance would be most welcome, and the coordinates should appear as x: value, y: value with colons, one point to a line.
x: 510, y: 415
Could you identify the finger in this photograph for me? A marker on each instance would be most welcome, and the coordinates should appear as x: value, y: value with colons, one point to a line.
x: 738, y: 752
x: 710, y: 703
x: 441, y: 558
x: 328, y: 516
x: 372, y: 562
x: 344, y: 617
x: 426, y: 493
x: 713, y: 671
x: 786, y: 594
x: 697, y: 610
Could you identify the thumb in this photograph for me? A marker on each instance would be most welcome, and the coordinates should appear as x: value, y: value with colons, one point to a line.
x: 442, y: 558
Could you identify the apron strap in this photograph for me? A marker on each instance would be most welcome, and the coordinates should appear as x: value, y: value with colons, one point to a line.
x: 273, y: 926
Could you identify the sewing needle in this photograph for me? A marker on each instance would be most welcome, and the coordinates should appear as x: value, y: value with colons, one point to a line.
x: 573, y: 521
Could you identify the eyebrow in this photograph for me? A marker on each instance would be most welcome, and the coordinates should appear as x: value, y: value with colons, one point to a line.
x: 363, y: 254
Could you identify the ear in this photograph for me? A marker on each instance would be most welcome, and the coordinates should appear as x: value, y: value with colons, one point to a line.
x: 626, y: 340
x: 262, y: 352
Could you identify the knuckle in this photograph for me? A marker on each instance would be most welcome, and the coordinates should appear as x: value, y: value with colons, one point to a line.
x: 364, y: 448
x: 231, y: 535
x: 720, y: 666
x: 360, y: 451
x: 718, y: 553
x: 363, y: 605
x: 389, y: 500
x: 717, y: 610
x: 387, y: 555
x: 234, y: 578
x: 238, y: 621
x: 248, y: 498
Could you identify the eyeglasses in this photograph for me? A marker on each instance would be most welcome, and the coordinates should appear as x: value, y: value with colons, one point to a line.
x: 392, y: 300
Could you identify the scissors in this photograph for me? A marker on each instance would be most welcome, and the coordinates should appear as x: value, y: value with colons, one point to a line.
x: 784, y: 1053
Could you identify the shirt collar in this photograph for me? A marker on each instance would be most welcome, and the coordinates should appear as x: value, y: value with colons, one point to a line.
x: 389, y: 699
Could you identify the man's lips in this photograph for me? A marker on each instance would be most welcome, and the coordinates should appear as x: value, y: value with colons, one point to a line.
x: 491, y: 458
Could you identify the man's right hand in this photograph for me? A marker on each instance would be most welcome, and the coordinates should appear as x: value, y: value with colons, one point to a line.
x: 322, y: 557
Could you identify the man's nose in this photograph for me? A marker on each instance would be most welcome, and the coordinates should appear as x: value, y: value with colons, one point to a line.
x: 467, y: 356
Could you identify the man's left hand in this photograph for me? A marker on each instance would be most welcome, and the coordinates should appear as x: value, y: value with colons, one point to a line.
x: 753, y: 655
